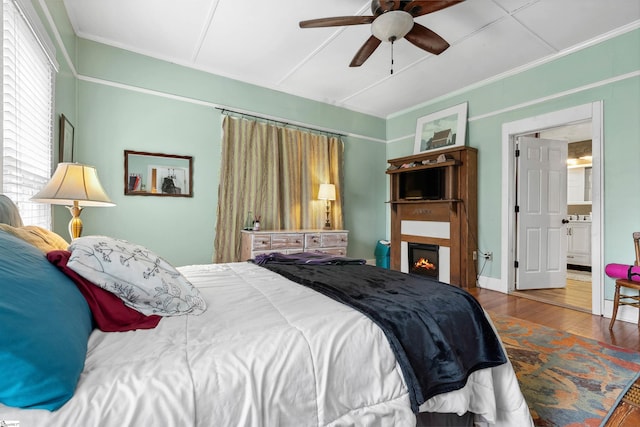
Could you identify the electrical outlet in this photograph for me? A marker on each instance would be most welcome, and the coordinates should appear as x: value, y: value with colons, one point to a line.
x: 488, y: 256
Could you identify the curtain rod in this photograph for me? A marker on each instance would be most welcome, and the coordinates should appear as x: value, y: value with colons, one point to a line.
x: 280, y: 121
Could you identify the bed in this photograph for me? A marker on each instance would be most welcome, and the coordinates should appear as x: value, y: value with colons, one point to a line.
x: 259, y: 350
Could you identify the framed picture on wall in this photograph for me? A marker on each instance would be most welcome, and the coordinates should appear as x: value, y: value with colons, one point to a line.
x: 66, y: 140
x: 440, y: 130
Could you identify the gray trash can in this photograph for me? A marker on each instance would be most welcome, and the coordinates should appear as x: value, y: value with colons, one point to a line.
x: 383, y: 253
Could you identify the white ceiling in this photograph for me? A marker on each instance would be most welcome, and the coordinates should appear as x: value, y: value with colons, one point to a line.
x: 260, y: 42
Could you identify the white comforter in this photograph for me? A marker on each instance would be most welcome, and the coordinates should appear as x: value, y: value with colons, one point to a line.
x: 266, y: 352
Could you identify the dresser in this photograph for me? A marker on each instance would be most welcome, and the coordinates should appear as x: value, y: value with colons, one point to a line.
x: 254, y: 243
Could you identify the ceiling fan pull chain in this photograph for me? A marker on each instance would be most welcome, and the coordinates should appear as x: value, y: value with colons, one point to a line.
x: 392, y: 57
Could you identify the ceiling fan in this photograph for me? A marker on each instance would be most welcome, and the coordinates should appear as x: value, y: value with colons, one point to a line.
x: 391, y: 21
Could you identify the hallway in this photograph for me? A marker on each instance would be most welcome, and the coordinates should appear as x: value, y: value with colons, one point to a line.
x: 577, y: 294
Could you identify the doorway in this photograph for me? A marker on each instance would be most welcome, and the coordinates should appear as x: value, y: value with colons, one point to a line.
x: 567, y: 282
x: 590, y: 114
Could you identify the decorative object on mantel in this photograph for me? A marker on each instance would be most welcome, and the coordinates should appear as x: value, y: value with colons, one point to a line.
x: 77, y: 185
x: 327, y: 192
x: 440, y: 130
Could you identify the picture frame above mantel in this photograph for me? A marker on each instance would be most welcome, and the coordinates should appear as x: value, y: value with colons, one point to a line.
x: 157, y: 174
x: 440, y: 130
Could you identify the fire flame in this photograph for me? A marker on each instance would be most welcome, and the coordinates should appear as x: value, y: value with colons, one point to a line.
x: 424, y: 263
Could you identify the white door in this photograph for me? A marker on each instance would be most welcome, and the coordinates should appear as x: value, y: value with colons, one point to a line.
x: 541, y: 235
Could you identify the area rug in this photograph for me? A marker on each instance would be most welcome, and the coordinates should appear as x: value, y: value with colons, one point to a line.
x: 567, y: 380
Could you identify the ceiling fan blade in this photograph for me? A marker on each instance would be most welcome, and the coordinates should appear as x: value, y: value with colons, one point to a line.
x: 365, y: 51
x: 426, y: 39
x: 419, y: 8
x: 336, y: 21
x: 378, y: 7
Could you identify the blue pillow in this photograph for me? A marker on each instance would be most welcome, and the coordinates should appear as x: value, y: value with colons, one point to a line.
x: 44, y: 328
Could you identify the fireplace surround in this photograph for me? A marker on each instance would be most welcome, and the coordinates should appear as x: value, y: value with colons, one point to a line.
x: 449, y: 221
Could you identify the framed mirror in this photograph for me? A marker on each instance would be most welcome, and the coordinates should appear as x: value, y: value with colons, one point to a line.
x: 156, y: 174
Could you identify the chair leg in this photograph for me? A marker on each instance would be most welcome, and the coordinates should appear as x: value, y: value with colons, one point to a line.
x: 616, y: 300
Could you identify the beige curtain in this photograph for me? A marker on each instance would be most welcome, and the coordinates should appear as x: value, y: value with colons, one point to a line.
x: 275, y: 173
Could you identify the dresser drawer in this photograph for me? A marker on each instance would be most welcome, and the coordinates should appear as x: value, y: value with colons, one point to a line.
x: 313, y: 240
x: 287, y: 241
x: 261, y: 242
x: 333, y: 251
x: 334, y: 239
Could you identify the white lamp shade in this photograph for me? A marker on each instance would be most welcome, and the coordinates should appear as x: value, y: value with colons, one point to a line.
x: 392, y: 25
x: 74, y: 182
x: 327, y: 192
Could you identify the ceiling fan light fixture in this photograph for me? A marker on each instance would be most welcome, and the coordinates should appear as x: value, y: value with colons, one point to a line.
x: 392, y: 25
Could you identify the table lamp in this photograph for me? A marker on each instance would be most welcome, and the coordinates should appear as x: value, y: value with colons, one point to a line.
x: 77, y: 185
x: 327, y: 192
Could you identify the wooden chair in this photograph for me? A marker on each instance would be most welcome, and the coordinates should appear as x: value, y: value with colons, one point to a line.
x: 622, y: 299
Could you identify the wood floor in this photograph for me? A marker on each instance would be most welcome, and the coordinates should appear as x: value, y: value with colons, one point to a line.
x: 624, y: 334
x: 576, y: 295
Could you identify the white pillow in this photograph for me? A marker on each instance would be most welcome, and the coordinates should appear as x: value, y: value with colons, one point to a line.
x: 143, y: 280
x: 9, y: 213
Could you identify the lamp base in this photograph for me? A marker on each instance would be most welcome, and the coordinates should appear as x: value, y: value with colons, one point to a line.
x: 75, y: 225
x: 327, y: 223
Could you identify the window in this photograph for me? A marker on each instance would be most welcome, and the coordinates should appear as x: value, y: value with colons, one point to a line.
x: 28, y: 70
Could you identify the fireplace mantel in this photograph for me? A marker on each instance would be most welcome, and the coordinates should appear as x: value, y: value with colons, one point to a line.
x: 449, y: 221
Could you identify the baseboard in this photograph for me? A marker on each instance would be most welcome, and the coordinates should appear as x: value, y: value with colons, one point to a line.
x: 625, y: 313
x: 491, y: 283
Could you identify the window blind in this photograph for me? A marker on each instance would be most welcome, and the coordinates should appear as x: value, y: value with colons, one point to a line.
x: 27, y: 115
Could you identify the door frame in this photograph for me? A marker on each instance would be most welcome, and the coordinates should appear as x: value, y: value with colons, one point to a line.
x: 587, y: 112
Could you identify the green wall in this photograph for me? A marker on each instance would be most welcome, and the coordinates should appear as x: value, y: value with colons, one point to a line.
x: 127, y: 101
x: 588, y: 75
x: 65, y: 94
x: 122, y: 100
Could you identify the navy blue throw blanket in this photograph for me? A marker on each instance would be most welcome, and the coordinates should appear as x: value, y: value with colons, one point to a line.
x: 438, y: 332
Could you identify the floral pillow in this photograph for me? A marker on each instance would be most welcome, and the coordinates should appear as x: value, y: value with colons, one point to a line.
x: 143, y: 280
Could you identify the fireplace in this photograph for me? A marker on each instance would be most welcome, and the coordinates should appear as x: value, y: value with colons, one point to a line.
x: 423, y: 259
x: 433, y: 198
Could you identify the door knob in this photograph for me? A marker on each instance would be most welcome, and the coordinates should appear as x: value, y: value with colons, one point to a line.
x: 565, y: 221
